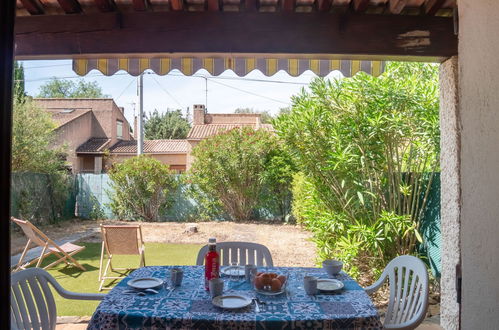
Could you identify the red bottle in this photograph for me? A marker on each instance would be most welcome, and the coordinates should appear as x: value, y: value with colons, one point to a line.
x: 211, y: 262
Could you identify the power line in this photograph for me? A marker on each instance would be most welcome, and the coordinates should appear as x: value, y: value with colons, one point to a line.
x: 192, y: 76
x: 98, y: 74
x: 44, y: 66
x: 251, y: 93
x: 127, y: 86
x: 240, y: 78
x: 167, y: 92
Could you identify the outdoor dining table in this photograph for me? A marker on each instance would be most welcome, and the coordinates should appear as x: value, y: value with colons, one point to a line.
x: 189, y: 306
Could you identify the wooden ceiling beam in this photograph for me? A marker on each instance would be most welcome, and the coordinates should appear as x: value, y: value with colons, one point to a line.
x: 432, y: 6
x: 396, y: 6
x: 212, y: 5
x: 360, y: 5
x: 176, y: 5
x: 405, y: 37
x: 139, y: 5
x: 34, y: 7
x: 288, y: 5
x: 323, y: 5
x: 250, y: 5
x: 105, y: 5
x: 70, y: 6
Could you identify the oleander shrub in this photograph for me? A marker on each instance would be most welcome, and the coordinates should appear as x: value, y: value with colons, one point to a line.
x: 141, y: 188
x: 367, y: 148
x: 238, y: 172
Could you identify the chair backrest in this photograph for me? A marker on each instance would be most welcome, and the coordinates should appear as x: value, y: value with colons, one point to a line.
x: 124, y: 240
x: 32, y: 304
x: 33, y: 233
x: 409, y: 288
x: 241, y: 252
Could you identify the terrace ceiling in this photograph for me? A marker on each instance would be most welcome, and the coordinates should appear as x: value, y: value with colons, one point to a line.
x: 408, y: 7
x: 361, y: 29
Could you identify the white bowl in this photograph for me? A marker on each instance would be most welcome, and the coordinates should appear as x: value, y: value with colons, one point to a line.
x: 332, y: 267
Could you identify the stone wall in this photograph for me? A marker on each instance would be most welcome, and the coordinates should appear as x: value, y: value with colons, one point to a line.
x: 450, y: 191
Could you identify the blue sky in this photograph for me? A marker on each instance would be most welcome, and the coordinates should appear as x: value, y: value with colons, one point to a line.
x: 225, y: 93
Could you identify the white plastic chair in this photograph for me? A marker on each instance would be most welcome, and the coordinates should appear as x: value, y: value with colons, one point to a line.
x: 408, y: 302
x: 32, y: 305
x: 242, y: 253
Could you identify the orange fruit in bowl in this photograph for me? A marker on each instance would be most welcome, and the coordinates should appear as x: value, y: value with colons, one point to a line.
x: 273, y: 275
x: 275, y: 285
x: 259, y: 282
x: 282, y: 278
x: 266, y: 279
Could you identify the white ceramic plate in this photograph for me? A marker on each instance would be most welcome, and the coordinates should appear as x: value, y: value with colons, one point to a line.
x: 145, y: 283
x: 233, y: 271
x: 231, y: 301
x: 329, y: 285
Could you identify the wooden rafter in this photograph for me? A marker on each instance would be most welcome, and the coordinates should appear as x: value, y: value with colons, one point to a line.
x: 323, y: 5
x: 177, y: 4
x: 360, y: 5
x: 139, y: 5
x: 288, y: 5
x: 212, y: 5
x: 250, y: 5
x: 34, y: 7
x: 396, y: 6
x: 105, y: 5
x: 70, y: 6
x: 404, y: 37
x: 432, y: 6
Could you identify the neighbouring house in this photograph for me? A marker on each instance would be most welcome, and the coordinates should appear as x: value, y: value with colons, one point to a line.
x: 97, y: 134
x: 205, y: 125
x: 88, y: 127
x: 171, y: 152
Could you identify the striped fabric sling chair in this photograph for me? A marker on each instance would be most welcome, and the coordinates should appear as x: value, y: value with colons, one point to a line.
x: 119, y: 240
x: 64, y: 252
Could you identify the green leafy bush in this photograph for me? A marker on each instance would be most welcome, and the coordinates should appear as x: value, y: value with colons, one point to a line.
x: 367, y: 148
x: 278, y: 174
x: 141, y: 187
x: 235, y: 172
x: 32, y: 139
x: 42, y: 183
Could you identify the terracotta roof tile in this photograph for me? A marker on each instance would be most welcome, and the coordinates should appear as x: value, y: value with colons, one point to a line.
x: 151, y: 147
x: 93, y: 145
x: 199, y: 132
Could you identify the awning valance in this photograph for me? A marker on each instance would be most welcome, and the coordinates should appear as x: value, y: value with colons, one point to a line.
x: 241, y: 65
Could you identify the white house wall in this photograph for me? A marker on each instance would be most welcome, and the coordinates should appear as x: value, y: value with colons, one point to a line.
x: 479, y: 168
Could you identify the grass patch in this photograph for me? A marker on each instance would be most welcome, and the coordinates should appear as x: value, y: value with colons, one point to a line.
x: 74, y: 279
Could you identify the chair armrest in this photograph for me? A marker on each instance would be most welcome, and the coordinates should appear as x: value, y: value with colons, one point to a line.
x: 82, y: 296
x: 75, y: 295
x: 376, y: 285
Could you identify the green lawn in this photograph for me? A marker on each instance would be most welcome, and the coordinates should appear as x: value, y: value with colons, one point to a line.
x: 73, y: 279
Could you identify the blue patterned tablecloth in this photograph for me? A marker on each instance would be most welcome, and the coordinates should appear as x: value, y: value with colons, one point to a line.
x: 190, y: 307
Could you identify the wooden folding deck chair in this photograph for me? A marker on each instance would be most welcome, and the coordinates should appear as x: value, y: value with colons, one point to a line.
x: 64, y: 253
x: 119, y: 240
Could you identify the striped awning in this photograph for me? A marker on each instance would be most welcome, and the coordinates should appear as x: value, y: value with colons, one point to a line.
x: 241, y: 65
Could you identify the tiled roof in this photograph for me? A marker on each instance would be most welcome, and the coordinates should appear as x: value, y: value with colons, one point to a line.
x: 151, y: 146
x: 93, y: 145
x: 64, y: 116
x: 198, y: 132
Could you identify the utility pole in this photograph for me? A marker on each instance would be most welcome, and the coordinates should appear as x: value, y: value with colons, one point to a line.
x: 140, y: 124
